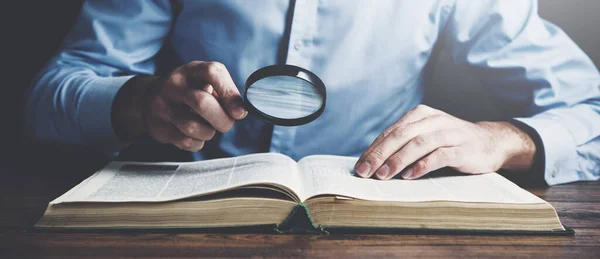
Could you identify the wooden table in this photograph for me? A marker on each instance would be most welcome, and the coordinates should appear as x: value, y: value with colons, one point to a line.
x: 25, y: 194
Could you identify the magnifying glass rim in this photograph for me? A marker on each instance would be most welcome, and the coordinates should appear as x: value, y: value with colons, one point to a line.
x: 285, y: 70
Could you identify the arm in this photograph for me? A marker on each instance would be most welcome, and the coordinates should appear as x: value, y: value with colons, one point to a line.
x: 89, y: 94
x: 71, y: 100
x: 539, y: 76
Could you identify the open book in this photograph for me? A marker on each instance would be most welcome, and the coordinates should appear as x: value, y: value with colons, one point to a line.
x: 272, y: 189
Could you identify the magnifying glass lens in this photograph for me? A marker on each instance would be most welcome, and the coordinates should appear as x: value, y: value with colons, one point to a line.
x: 285, y: 97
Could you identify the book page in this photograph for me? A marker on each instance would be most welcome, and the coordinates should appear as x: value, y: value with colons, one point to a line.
x: 152, y: 182
x: 334, y: 175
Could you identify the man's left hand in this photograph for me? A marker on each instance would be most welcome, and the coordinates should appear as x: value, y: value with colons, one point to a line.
x: 426, y: 139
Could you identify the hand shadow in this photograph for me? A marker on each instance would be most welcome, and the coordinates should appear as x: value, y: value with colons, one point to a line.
x: 523, y: 179
x: 442, y: 172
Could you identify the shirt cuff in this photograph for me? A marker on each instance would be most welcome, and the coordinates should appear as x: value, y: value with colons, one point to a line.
x: 560, y: 153
x: 95, y: 111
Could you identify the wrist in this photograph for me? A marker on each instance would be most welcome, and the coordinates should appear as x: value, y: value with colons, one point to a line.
x: 515, y: 146
x: 128, y: 107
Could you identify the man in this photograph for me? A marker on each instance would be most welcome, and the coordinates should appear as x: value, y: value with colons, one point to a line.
x: 100, y: 91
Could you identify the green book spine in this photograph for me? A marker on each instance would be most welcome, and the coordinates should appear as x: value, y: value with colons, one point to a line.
x: 299, y: 222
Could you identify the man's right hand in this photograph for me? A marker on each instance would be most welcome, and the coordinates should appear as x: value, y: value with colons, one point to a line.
x: 185, y: 108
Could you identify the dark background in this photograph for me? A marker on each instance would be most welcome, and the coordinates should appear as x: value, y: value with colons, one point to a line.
x: 33, y: 30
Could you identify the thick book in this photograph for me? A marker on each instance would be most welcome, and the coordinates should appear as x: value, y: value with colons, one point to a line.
x: 314, y: 195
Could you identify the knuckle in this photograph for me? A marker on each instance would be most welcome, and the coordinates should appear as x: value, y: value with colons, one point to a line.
x: 175, y: 79
x: 426, y: 110
x: 421, y: 166
x: 386, y: 133
x: 214, y: 68
x: 190, y: 128
x: 186, y: 143
x: 397, y: 133
x: 420, y: 141
x: 376, y: 155
x: 195, y: 63
x: 422, y: 107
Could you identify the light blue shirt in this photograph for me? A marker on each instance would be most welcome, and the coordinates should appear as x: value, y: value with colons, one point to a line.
x: 370, y: 54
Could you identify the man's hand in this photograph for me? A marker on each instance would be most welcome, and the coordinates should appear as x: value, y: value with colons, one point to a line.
x: 185, y: 108
x: 426, y: 139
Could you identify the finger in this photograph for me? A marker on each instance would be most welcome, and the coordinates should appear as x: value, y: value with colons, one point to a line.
x: 205, y: 105
x: 175, y: 86
x: 396, y: 140
x: 416, y: 114
x: 216, y: 74
x: 164, y: 132
x: 417, y: 148
x: 167, y: 133
x: 207, y: 88
x: 189, y: 144
x: 193, y: 126
x: 211, y: 91
x: 442, y: 157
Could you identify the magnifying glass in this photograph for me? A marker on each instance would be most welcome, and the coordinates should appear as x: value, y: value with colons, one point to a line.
x: 285, y: 95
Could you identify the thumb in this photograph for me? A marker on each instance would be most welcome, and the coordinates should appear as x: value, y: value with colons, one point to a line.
x: 218, y: 77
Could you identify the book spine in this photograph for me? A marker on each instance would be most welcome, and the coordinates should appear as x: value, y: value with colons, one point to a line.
x: 299, y: 222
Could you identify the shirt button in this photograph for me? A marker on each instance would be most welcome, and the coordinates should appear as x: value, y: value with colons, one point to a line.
x: 298, y: 45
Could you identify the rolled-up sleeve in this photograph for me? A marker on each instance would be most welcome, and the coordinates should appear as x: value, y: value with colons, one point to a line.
x: 71, y: 98
x: 538, y: 76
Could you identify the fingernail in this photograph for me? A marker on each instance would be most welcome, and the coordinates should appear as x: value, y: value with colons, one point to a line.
x: 407, y: 174
x: 363, y: 169
x: 238, y: 111
x: 383, y: 171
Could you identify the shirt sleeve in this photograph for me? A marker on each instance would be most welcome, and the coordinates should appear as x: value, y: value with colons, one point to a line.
x: 538, y: 75
x: 71, y: 99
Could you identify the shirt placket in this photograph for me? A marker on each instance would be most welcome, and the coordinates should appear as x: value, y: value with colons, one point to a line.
x: 302, y: 32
